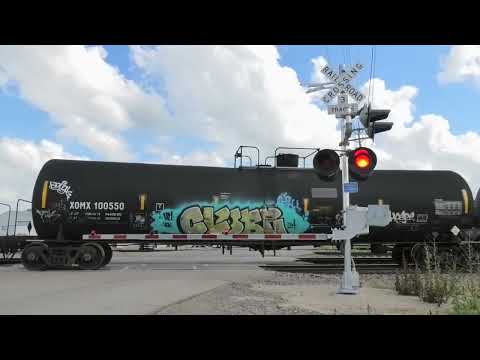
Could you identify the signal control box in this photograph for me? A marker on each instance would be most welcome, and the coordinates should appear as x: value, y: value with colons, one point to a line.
x: 359, y: 219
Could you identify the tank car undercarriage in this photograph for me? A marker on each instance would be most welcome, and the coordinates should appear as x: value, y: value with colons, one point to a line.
x: 444, y: 249
x: 85, y: 256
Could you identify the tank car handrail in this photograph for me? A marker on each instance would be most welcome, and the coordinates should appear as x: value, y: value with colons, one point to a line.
x: 9, y: 212
x: 239, y: 154
x: 295, y: 148
x: 249, y: 158
x: 306, y: 157
x: 268, y: 157
x: 16, y: 214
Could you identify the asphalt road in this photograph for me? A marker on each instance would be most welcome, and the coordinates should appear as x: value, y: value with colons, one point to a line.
x: 134, y: 282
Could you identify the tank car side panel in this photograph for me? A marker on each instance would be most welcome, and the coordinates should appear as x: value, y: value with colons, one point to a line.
x: 122, y: 198
x: 239, y: 201
x: 419, y: 198
x: 318, y: 202
x: 140, y: 198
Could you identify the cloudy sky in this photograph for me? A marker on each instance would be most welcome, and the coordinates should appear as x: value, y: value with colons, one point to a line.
x: 197, y: 104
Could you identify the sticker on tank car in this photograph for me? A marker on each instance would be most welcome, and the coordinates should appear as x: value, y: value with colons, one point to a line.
x: 447, y: 208
x: 422, y: 218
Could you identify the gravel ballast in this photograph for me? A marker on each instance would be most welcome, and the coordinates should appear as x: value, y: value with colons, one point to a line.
x: 303, y: 294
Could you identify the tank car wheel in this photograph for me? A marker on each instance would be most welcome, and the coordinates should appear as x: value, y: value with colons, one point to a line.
x: 108, y: 254
x: 34, y: 257
x: 91, y: 256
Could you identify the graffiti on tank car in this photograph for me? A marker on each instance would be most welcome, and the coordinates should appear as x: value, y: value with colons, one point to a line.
x: 237, y: 221
x: 48, y: 215
x: 288, y: 201
x: 403, y: 217
x: 201, y: 220
x: 234, y: 218
x: 62, y: 188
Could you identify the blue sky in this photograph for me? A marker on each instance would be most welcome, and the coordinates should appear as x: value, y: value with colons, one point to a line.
x: 399, y: 65
x: 195, y: 105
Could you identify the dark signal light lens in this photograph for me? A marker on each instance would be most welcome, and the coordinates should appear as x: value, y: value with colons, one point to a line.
x: 326, y: 164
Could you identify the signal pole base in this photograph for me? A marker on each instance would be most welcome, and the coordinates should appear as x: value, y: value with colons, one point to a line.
x: 350, y: 283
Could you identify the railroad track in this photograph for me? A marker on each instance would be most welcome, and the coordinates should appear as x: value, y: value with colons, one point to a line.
x: 333, y: 264
x: 354, y: 254
x: 339, y: 260
x: 10, y: 261
x: 332, y: 268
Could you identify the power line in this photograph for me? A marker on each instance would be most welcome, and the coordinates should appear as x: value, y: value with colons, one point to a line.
x: 374, y: 66
x: 371, y: 76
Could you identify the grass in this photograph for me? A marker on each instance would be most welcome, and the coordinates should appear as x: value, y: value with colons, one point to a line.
x: 467, y: 300
x: 438, y: 284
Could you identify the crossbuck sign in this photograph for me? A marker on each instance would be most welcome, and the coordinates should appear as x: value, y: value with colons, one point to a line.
x: 342, y: 84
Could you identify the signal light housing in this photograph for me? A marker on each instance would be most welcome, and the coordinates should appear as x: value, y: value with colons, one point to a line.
x: 326, y: 164
x: 370, y: 120
x: 361, y: 163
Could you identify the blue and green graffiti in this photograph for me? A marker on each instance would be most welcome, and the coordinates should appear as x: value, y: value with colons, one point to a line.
x: 231, y: 217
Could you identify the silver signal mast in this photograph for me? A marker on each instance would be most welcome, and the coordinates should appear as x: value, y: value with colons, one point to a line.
x: 354, y: 218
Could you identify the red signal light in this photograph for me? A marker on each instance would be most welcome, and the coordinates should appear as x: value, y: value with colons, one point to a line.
x: 362, y: 161
x: 362, y: 158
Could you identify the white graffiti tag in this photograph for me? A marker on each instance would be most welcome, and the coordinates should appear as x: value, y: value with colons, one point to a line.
x: 61, y: 188
x: 403, y: 217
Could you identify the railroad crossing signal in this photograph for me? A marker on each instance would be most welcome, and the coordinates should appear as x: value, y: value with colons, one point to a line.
x: 326, y: 162
x: 369, y: 118
x: 358, y: 163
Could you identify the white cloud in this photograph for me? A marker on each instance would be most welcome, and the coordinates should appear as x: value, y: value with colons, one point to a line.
x: 20, y: 162
x: 195, y: 158
x: 461, y: 64
x: 318, y: 78
x: 87, y: 97
x: 318, y: 64
x: 425, y: 143
x: 235, y: 95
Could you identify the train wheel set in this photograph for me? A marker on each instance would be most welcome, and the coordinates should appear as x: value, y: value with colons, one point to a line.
x: 86, y: 256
